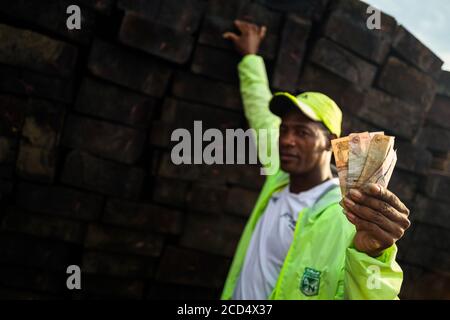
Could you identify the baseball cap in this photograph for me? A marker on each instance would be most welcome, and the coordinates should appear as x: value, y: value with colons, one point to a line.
x: 315, y: 105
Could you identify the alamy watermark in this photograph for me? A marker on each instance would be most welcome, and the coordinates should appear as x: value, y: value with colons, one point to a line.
x: 74, y: 280
x: 243, y: 142
x: 374, y: 278
x: 74, y: 20
x: 374, y: 20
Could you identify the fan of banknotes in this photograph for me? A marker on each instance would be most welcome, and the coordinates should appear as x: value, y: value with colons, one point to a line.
x: 366, y: 157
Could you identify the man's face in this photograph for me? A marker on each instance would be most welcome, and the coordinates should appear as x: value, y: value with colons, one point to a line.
x: 304, y: 144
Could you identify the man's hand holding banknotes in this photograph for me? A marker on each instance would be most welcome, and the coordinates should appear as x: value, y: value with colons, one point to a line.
x: 365, y: 162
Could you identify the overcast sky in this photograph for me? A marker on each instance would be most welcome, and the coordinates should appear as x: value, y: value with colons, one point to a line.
x: 428, y: 20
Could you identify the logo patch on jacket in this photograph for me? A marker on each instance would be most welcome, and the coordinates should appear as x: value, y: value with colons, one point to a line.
x: 310, y: 282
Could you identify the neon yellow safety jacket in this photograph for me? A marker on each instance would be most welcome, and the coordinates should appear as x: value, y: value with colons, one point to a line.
x: 322, y: 262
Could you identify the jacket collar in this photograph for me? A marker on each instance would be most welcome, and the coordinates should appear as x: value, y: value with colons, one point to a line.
x: 330, y: 196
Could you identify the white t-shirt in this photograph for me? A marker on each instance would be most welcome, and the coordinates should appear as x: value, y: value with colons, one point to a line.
x: 271, y: 240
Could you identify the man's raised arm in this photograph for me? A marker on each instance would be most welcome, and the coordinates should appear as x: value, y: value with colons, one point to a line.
x: 254, y: 84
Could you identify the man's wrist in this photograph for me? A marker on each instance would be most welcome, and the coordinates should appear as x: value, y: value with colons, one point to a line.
x: 372, y: 253
x: 375, y: 254
x: 250, y: 56
x: 246, y: 53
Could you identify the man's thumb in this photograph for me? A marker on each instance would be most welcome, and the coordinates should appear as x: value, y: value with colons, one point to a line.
x: 230, y: 36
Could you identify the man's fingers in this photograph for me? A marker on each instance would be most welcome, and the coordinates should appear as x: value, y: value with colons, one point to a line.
x: 378, y: 237
x: 374, y: 217
x: 359, y: 223
x: 262, y: 32
x: 385, y: 195
x: 375, y: 231
x: 380, y: 206
x: 350, y: 216
x: 230, y: 36
x: 246, y: 27
x: 242, y: 26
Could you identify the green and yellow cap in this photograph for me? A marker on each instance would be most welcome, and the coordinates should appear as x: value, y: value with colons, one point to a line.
x: 315, y: 105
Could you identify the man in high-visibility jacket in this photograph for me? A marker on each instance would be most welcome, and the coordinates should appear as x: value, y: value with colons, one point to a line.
x: 301, y: 241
